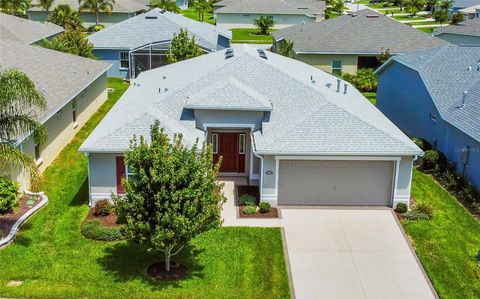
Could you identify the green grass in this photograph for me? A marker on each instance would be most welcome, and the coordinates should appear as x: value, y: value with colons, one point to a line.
x: 249, y: 35
x: 426, y: 29
x: 192, y: 14
x: 53, y: 259
x: 424, y: 23
x: 448, y: 243
x: 406, y: 18
x: 371, y: 96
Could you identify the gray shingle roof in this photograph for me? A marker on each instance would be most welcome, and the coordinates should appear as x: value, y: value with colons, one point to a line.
x: 144, y: 29
x: 287, y: 7
x: 28, y: 31
x: 58, y: 76
x: 366, y: 32
x: 469, y: 27
x: 118, y: 6
x: 326, y: 121
x: 464, y: 3
x: 447, y: 73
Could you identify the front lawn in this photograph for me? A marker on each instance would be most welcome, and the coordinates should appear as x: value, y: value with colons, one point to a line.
x: 448, y: 243
x: 50, y: 257
x: 193, y: 14
x: 250, y: 36
x: 371, y: 96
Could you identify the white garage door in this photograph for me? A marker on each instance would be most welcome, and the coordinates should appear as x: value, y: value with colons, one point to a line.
x: 351, y: 183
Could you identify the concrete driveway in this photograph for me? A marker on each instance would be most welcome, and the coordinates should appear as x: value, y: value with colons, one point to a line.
x: 341, y: 253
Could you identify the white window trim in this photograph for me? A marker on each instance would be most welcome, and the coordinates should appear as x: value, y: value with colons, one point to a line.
x: 341, y: 65
x: 215, y: 145
x: 120, y: 60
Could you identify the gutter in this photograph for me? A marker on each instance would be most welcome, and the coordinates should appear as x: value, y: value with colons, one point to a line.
x: 280, y: 153
x: 252, y: 141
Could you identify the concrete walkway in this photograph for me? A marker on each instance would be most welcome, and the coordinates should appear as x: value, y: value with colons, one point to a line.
x: 343, y: 253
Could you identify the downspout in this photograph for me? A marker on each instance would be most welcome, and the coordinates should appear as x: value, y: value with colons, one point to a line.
x: 261, y: 164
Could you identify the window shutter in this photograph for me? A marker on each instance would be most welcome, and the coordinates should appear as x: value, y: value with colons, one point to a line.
x: 120, y: 174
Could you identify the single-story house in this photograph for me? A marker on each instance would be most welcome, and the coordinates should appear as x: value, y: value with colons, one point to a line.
x: 122, y: 10
x: 458, y: 5
x: 471, y: 12
x: 435, y: 94
x: 464, y: 33
x: 284, y: 13
x: 182, y: 4
x: 72, y: 94
x: 303, y: 136
x: 27, y: 31
x: 141, y: 43
x: 349, y: 42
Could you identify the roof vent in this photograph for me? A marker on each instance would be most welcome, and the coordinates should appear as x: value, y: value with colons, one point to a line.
x: 262, y: 54
x: 372, y: 16
x: 150, y: 17
x: 464, y: 99
x: 162, y: 11
x: 229, y: 53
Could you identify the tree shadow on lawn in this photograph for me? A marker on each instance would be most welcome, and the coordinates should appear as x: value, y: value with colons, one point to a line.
x: 128, y: 261
x: 81, y: 197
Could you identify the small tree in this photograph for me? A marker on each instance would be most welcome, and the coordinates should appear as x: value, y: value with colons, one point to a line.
x: 182, y: 47
x: 173, y: 194
x: 168, y: 5
x: 263, y: 24
x: 201, y: 7
x: 96, y: 6
x: 45, y: 5
x: 71, y: 41
x: 67, y: 17
x: 383, y: 56
x: 440, y: 16
x: 456, y: 18
x: 285, y: 48
x: 414, y: 6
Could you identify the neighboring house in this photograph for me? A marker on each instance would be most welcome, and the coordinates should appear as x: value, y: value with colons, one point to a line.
x: 122, y: 10
x: 28, y: 31
x: 182, y: 4
x: 471, y: 12
x: 458, y: 5
x: 304, y: 136
x: 284, y: 13
x: 347, y: 43
x: 464, y: 33
x: 74, y: 88
x: 141, y: 43
x: 435, y: 94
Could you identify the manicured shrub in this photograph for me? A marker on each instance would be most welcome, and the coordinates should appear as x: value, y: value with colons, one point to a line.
x: 93, y: 229
x: 476, y: 206
x: 401, y: 208
x: 434, y: 161
x: 8, y: 195
x: 457, y: 18
x: 365, y: 80
x: 424, y: 208
x: 265, y: 207
x: 250, y: 210
x: 95, y: 28
x: 103, y: 208
x: 415, y: 215
x: 246, y: 200
x: 423, y: 144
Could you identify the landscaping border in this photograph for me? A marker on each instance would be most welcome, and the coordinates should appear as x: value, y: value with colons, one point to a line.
x: 14, y: 230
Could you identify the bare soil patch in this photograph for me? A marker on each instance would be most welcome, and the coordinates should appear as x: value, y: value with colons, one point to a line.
x: 177, y: 271
x: 108, y: 221
x: 25, y: 203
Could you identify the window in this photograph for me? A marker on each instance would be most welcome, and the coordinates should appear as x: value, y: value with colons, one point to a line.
x: 215, y: 143
x: 38, y: 152
x: 270, y: 18
x: 74, y: 112
x: 124, y: 60
x: 337, y: 67
x: 129, y: 171
x: 433, y: 117
x: 241, y: 144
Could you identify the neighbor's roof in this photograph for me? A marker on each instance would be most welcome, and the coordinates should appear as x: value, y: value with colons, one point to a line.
x: 118, y: 6
x: 283, y: 7
x: 447, y: 73
x: 156, y: 26
x: 58, y: 76
x: 470, y: 9
x: 469, y: 27
x: 26, y: 30
x: 464, y: 3
x: 365, y: 32
x: 306, y: 117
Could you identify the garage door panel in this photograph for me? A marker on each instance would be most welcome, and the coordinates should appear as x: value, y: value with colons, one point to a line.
x: 335, y: 182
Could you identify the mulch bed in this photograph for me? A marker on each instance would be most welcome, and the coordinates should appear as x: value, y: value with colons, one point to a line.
x: 272, y: 214
x: 8, y: 220
x: 108, y: 221
x: 177, y: 271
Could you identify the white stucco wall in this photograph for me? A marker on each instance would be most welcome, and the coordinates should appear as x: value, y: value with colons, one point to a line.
x: 102, y: 171
x: 229, y: 21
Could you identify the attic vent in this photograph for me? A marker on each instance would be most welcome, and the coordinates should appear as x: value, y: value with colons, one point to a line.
x: 262, y: 54
x: 372, y: 16
x: 229, y: 53
x: 162, y: 11
x: 150, y: 17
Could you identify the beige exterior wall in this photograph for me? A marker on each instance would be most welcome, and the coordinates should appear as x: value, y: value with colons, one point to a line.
x: 229, y: 21
x: 324, y: 61
x: 61, y: 128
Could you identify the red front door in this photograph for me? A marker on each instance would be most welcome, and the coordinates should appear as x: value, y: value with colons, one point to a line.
x: 231, y: 147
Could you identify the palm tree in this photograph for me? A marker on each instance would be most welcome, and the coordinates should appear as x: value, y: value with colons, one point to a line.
x: 263, y: 24
x: 19, y: 103
x: 168, y: 5
x: 45, y: 4
x: 97, y: 6
x: 201, y: 6
x: 64, y: 15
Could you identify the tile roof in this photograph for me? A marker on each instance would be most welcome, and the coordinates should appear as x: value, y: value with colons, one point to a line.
x: 155, y: 26
x: 287, y: 7
x: 366, y: 32
x: 50, y: 70
x: 28, y: 31
x: 469, y: 27
x: 449, y: 72
x: 328, y: 122
x: 118, y: 6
